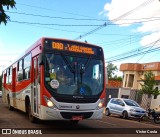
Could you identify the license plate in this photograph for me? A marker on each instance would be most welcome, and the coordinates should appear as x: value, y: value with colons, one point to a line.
x: 77, y: 117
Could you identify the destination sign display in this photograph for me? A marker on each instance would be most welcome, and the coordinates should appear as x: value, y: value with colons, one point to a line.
x: 73, y: 48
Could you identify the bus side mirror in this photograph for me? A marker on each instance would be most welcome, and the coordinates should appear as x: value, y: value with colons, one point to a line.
x: 40, y: 59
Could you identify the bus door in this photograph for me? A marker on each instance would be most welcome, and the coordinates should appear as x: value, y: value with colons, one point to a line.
x: 4, y: 94
x: 35, y: 90
x: 14, y: 86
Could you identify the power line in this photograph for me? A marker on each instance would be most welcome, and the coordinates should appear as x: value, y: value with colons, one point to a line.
x: 133, y: 55
x: 116, y: 19
x: 148, y: 50
x: 92, y: 31
x: 87, y: 19
x: 50, y: 24
x: 42, y: 8
x: 133, y: 10
x: 152, y: 56
x: 57, y: 17
x: 34, y: 25
x: 132, y: 51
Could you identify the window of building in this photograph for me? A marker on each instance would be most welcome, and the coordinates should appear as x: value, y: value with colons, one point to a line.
x: 131, y: 80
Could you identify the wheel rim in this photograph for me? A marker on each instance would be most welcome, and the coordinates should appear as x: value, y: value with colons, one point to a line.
x: 107, y: 112
x: 124, y: 114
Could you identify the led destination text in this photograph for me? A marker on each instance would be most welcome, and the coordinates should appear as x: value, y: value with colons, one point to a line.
x: 72, y: 48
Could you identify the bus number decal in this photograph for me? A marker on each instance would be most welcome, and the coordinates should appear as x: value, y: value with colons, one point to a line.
x: 57, y: 45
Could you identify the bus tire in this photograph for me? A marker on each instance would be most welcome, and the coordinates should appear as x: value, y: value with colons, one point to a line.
x: 9, y: 104
x: 30, y: 115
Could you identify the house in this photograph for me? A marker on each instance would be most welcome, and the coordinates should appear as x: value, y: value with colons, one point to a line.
x: 132, y: 75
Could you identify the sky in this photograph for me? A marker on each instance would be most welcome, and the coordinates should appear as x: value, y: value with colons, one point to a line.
x: 131, y: 26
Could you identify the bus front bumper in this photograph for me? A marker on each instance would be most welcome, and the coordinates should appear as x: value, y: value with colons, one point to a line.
x: 47, y: 113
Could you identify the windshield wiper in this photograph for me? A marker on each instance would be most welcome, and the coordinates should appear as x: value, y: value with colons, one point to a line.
x: 82, y: 71
x: 88, y: 61
x: 83, y: 67
x: 69, y: 66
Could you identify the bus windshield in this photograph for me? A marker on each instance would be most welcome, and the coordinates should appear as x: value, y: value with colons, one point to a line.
x: 73, y: 75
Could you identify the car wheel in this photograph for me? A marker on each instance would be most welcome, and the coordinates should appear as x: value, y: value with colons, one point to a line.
x: 107, y: 112
x: 125, y: 115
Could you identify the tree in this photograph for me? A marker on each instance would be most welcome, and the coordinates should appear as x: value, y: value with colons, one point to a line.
x: 111, y: 69
x: 5, y: 3
x: 148, y: 86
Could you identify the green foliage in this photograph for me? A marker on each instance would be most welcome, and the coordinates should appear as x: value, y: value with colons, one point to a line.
x: 148, y: 86
x: 111, y: 69
x: 116, y: 78
x: 5, y: 3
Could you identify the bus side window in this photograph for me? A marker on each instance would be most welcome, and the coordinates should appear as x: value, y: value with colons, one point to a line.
x: 10, y: 75
x: 20, y: 71
x: 7, y: 76
x: 27, y: 66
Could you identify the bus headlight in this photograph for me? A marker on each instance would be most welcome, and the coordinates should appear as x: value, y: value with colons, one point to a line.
x: 49, y: 102
x: 100, y: 104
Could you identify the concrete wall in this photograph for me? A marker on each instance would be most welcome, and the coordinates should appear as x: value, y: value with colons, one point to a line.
x: 124, y: 92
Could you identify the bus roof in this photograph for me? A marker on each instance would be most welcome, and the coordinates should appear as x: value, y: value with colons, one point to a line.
x: 40, y: 42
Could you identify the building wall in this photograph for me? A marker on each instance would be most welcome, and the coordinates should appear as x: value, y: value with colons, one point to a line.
x: 124, y: 93
x: 133, y: 73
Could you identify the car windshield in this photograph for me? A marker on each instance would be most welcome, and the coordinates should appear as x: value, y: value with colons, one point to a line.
x: 72, y: 75
x: 131, y: 103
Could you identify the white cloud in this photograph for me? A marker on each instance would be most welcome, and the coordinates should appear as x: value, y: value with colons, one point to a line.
x: 136, y: 11
x: 151, y: 38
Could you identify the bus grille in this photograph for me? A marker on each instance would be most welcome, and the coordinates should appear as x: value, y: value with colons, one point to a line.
x: 69, y: 115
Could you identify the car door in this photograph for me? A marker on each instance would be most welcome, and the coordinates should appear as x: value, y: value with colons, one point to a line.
x: 119, y: 106
x: 112, y: 106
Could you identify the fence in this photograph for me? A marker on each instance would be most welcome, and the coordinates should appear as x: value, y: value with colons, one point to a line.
x: 143, y: 100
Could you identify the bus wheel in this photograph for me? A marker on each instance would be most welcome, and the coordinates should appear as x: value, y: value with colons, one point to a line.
x: 9, y: 104
x: 30, y: 116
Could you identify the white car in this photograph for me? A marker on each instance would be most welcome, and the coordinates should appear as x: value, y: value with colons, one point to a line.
x: 0, y: 93
x: 124, y: 107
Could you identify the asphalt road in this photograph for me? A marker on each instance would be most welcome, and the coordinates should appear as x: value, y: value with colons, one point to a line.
x: 114, y: 126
